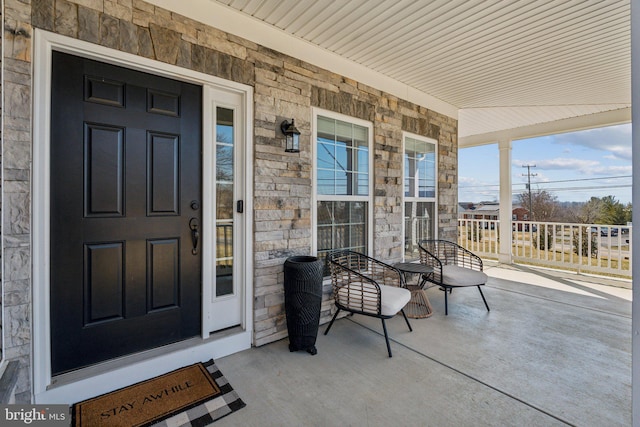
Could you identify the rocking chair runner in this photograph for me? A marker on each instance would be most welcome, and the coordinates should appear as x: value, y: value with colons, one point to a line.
x: 364, y: 285
x: 453, y: 267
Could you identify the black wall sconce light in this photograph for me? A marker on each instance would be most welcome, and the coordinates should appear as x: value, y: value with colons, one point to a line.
x: 292, y: 135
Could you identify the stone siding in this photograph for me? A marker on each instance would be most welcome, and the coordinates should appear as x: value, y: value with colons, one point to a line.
x: 285, y: 88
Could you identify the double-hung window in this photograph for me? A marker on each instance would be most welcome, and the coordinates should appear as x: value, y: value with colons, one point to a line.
x: 420, y: 192
x: 343, y: 183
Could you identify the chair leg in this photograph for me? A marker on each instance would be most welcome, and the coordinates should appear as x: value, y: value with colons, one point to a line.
x: 406, y: 320
x: 483, y: 298
x: 386, y: 337
x: 446, y: 303
x: 331, y: 323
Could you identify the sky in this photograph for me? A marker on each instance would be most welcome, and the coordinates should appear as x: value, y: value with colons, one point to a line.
x: 571, y: 166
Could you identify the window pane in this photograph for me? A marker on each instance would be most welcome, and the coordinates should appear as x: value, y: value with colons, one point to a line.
x: 326, y: 127
x: 326, y: 182
x: 343, y: 226
x: 224, y: 241
x: 326, y: 156
x: 224, y: 163
x: 362, y: 183
x: 345, y: 151
x: 324, y: 238
x: 409, y: 145
x: 341, y: 181
x: 340, y: 212
x: 344, y: 131
x: 362, y: 160
x: 419, y: 224
x: 224, y: 201
x: 224, y: 126
x: 325, y: 213
x: 341, y: 156
x: 408, y: 187
x: 360, y: 136
x: 419, y: 168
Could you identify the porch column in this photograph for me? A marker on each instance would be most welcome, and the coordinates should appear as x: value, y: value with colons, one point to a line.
x: 504, y: 250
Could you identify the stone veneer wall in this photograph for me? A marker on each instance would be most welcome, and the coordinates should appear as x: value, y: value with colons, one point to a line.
x: 284, y: 88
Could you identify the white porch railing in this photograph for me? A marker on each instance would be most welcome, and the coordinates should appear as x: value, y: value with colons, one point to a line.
x: 585, y: 248
x: 416, y: 229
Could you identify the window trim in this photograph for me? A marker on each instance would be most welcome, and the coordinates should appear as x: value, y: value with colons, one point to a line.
x: 315, y: 197
x: 405, y: 199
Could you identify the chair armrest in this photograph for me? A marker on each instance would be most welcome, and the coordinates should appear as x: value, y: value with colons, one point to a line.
x: 428, y: 258
x: 362, y: 292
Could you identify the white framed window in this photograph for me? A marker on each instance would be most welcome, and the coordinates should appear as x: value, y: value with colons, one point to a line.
x: 420, y: 172
x: 342, y: 211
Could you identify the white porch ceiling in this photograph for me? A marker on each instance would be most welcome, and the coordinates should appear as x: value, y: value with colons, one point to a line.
x: 507, y: 69
x: 505, y: 64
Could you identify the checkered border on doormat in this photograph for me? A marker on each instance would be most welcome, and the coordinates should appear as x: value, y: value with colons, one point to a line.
x: 206, y: 413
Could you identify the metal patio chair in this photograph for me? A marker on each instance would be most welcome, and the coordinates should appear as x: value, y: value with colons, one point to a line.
x: 453, y: 267
x: 364, y: 285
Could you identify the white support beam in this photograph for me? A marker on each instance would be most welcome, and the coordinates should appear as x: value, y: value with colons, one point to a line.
x: 590, y: 121
x: 504, y: 251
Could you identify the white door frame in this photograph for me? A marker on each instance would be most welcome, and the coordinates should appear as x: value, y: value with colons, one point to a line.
x: 101, y: 378
x: 225, y: 311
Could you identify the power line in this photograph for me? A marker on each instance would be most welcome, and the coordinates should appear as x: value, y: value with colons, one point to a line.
x: 550, y: 182
x: 564, y: 189
x: 588, y: 179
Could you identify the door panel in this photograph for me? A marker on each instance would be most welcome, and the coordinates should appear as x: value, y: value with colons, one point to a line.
x: 103, y: 279
x: 125, y: 169
x: 164, y: 174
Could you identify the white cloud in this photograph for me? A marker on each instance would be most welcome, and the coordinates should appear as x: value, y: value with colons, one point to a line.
x: 613, y: 139
x: 560, y: 163
x: 471, y: 189
x: 613, y: 170
x: 466, y: 180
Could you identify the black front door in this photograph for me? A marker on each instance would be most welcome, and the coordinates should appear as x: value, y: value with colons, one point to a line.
x: 125, y: 211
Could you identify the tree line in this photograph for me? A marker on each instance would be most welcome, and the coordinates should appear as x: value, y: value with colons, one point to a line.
x: 545, y: 207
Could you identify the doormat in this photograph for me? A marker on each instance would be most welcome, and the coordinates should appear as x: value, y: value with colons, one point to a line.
x: 195, y: 395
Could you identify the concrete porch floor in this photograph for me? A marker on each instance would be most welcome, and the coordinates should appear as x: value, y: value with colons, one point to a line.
x: 554, y: 350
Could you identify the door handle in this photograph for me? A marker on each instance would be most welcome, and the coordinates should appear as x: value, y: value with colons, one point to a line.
x: 195, y: 234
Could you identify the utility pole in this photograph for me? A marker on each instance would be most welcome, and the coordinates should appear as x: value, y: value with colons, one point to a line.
x: 529, y: 175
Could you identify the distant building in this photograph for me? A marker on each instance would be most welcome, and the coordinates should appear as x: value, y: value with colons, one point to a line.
x: 490, y: 212
x: 519, y: 214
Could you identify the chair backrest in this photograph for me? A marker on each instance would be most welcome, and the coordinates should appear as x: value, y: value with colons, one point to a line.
x: 356, y: 280
x: 444, y: 250
x: 448, y: 252
x: 376, y: 270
